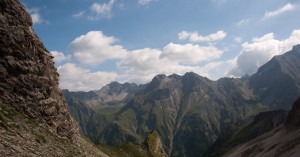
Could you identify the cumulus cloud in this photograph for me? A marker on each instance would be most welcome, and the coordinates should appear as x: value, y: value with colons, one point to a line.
x: 101, y: 10
x: 195, y: 37
x: 144, y: 2
x: 35, y: 15
x: 142, y: 65
x: 94, y: 48
x: 259, y: 51
x: 59, y: 56
x: 286, y: 8
x: 190, y: 53
x: 138, y: 66
x: 75, y: 78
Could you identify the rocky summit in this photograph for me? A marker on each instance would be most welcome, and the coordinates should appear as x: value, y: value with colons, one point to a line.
x: 34, y: 120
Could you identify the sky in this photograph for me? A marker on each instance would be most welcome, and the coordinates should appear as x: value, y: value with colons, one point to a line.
x: 95, y: 42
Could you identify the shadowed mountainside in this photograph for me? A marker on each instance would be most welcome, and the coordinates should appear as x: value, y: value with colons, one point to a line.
x: 246, y: 130
x: 280, y: 142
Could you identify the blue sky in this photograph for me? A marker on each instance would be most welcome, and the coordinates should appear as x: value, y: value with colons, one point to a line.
x: 95, y: 42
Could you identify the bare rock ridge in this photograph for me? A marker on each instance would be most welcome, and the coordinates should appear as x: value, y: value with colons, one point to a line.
x: 34, y: 119
x: 29, y: 80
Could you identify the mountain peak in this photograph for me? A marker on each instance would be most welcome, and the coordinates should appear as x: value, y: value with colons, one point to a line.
x: 159, y: 77
x: 190, y: 74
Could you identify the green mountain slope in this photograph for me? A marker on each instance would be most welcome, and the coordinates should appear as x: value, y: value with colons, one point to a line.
x: 188, y: 112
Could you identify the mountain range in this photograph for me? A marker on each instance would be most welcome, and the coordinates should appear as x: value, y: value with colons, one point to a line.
x: 189, y: 112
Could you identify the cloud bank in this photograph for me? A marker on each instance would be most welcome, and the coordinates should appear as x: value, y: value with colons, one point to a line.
x: 141, y: 65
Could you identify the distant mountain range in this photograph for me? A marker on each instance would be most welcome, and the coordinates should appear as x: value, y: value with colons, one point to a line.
x: 189, y: 112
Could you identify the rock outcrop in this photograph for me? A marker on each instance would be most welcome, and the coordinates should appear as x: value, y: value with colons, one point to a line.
x: 29, y: 80
x: 29, y: 93
x: 154, y: 146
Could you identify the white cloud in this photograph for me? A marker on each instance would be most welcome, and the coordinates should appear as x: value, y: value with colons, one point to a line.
x: 94, y: 48
x: 76, y: 78
x: 259, y: 51
x: 285, y: 8
x: 243, y: 22
x: 142, y: 65
x: 144, y: 2
x: 190, y: 53
x: 138, y: 66
x: 80, y: 14
x: 35, y: 15
x: 101, y: 10
x: 195, y: 37
x: 59, y: 56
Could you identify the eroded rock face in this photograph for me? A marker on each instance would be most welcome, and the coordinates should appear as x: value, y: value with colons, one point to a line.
x: 29, y: 80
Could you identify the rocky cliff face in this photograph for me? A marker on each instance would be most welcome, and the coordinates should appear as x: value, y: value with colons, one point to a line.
x: 29, y: 92
x: 29, y: 80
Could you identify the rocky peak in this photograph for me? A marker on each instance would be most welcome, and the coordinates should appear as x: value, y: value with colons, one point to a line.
x: 192, y: 82
x: 29, y: 80
x: 116, y: 87
x: 156, y: 82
